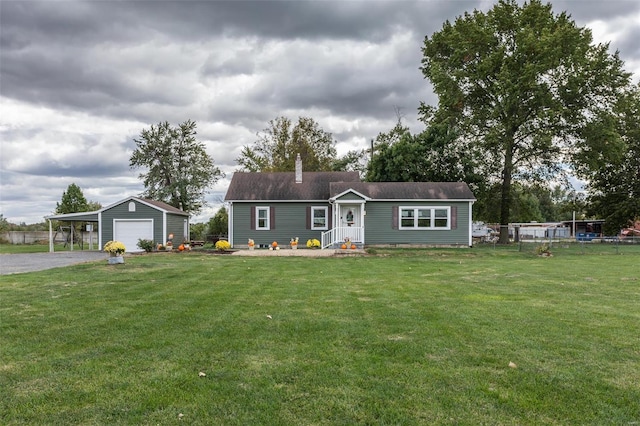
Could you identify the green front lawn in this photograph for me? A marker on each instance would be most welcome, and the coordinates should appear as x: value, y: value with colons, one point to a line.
x: 41, y: 248
x: 405, y: 337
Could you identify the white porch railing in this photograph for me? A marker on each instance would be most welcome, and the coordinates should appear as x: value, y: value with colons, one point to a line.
x: 338, y: 235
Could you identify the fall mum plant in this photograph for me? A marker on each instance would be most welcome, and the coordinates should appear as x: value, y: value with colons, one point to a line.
x: 115, y: 248
x: 223, y: 245
x: 313, y: 243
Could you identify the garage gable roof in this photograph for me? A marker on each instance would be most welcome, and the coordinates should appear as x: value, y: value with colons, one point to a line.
x: 162, y: 206
x: 93, y: 216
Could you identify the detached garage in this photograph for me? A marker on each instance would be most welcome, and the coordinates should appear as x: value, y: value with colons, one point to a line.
x: 132, y: 219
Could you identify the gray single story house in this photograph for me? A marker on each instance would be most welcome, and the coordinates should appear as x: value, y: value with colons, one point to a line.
x: 132, y: 219
x: 332, y: 206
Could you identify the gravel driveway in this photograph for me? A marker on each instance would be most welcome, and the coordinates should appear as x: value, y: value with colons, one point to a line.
x: 29, y: 262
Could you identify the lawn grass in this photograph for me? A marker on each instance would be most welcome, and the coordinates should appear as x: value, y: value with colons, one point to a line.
x: 40, y: 248
x: 404, y: 337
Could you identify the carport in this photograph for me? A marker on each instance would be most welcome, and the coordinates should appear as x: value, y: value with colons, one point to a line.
x: 72, y: 218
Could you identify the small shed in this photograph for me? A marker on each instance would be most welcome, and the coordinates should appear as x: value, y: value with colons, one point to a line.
x: 130, y: 220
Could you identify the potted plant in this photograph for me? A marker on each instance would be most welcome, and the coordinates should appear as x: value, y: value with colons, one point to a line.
x: 294, y: 243
x: 252, y: 244
x: 115, y: 249
x: 313, y: 243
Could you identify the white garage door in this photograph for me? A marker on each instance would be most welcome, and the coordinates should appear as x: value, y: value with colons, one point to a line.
x: 128, y: 232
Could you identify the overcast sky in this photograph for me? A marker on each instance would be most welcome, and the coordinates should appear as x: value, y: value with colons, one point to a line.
x: 80, y: 80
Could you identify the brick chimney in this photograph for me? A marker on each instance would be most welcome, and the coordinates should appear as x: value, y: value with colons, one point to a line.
x: 298, y: 169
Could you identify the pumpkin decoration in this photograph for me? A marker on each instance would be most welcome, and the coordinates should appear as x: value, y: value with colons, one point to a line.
x: 353, y: 246
x: 274, y: 244
x: 344, y: 246
x: 181, y: 247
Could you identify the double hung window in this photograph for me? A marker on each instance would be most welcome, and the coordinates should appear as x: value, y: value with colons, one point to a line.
x: 425, y: 217
x: 319, y: 218
x: 262, y: 218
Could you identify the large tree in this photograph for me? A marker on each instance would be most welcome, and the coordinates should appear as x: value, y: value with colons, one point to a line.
x: 278, y: 145
x: 614, y: 140
x: 179, y: 170
x: 73, y: 201
x: 520, y: 83
x: 428, y: 156
x: 219, y: 224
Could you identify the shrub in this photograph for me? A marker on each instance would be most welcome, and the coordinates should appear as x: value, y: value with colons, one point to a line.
x: 223, y: 245
x: 313, y: 243
x: 146, y: 245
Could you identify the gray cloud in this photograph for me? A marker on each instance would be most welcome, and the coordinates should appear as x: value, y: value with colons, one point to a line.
x: 80, y: 79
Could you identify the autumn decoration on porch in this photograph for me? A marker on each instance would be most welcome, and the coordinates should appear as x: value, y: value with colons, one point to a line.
x: 313, y: 243
x: 346, y: 244
x: 251, y: 244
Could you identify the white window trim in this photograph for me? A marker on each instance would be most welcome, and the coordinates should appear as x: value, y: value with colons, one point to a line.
x: 268, y: 219
x: 432, y: 219
x: 326, y: 218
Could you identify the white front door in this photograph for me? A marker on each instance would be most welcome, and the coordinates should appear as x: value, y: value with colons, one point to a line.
x: 351, y: 221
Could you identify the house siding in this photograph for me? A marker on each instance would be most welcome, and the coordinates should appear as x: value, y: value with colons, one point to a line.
x: 290, y: 222
x: 121, y: 212
x: 175, y: 226
x: 379, y: 230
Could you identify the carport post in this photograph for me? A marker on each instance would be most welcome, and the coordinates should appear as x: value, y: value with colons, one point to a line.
x: 50, y: 237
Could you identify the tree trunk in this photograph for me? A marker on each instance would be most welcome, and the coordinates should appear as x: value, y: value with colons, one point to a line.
x: 505, y: 195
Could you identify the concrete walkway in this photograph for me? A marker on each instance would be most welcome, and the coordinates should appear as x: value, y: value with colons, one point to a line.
x: 299, y: 252
x: 29, y: 262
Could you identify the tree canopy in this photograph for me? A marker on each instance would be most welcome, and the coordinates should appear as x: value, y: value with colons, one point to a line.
x: 614, y: 140
x: 520, y: 84
x: 219, y: 224
x: 73, y: 201
x: 278, y: 145
x: 430, y: 155
x: 179, y: 170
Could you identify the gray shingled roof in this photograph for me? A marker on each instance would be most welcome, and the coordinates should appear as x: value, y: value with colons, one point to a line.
x: 406, y: 190
x: 164, y: 206
x: 281, y: 186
